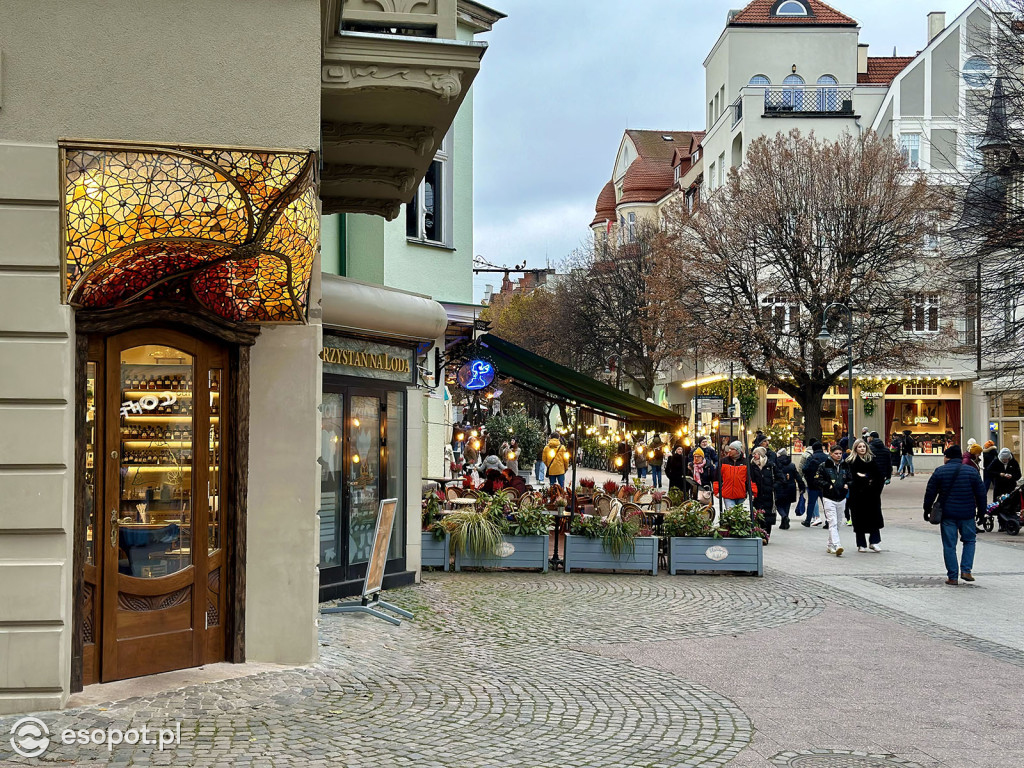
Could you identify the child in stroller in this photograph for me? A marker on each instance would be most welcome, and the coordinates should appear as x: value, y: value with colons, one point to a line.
x: 1007, y: 510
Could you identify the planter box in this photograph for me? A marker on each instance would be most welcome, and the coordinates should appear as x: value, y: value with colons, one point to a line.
x: 583, y: 552
x: 518, y: 552
x: 433, y: 552
x: 700, y: 553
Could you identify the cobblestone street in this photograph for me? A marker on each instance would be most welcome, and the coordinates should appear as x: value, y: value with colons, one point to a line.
x: 854, y: 662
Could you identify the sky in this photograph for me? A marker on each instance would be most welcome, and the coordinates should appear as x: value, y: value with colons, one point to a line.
x: 561, y: 81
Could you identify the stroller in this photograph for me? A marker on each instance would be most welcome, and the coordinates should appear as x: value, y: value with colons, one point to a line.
x: 1007, y: 510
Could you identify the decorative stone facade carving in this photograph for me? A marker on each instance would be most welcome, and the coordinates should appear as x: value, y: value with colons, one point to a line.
x: 403, y: 179
x: 418, y: 138
x: 444, y: 83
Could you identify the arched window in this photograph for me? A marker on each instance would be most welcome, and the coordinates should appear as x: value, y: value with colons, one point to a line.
x: 791, y: 8
x: 828, y: 94
x: 793, y: 93
x: 977, y: 72
x: 760, y: 80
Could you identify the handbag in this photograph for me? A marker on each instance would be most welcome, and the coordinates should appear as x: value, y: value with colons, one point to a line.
x: 801, y: 506
x: 935, y: 513
x: 704, y: 496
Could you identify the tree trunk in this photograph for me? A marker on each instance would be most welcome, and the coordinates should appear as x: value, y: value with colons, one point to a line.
x: 810, y: 399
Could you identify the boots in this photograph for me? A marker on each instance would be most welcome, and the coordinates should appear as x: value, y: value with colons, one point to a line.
x: 784, y: 525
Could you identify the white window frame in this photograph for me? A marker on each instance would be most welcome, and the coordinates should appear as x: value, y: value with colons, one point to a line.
x: 910, y: 148
x: 924, y: 306
x: 973, y: 159
x: 982, y: 77
x: 631, y: 227
x: 785, y: 3
x: 444, y: 157
x: 782, y: 312
x: 721, y: 170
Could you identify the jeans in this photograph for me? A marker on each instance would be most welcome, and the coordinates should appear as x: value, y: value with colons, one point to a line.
x: 655, y: 476
x: 641, y: 472
x: 557, y: 480
x: 812, y: 506
x: 907, y: 464
x: 783, y: 509
x: 833, y: 512
x: 538, y: 470
x: 730, y: 503
x: 872, y: 537
x: 968, y: 535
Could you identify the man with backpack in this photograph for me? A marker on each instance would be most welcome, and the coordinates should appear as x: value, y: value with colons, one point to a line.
x: 810, y: 470
x: 959, y: 488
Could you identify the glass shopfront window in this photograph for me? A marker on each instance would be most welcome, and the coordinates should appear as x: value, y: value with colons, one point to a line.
x: 934, y: 424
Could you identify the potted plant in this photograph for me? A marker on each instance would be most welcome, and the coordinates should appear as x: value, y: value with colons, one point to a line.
x: 695, y: 544
x: 499, y: 536
x: 435, y: 540
x: 620, y: 545
x: 610, y: 487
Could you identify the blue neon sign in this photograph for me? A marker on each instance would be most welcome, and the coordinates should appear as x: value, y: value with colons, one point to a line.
x: 476, y: 375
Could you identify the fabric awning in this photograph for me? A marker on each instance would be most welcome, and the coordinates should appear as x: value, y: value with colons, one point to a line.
x: 549, y: 379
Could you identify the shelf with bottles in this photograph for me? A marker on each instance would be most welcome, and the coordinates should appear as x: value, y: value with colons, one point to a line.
x: 159, y: 418
x: 162, y: 378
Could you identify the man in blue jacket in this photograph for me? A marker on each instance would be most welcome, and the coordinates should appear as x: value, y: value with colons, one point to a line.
x: 963, y: 497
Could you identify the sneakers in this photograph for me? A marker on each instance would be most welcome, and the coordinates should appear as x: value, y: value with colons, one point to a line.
x: 952, y: 582
x: 966, y: 577
x: 806, y: 523
x: 839, y: 551
x: 849, y: 522
x: 830, y: 549
x: 862, y: 549
x: 875, y: 547
x: 817, y: 521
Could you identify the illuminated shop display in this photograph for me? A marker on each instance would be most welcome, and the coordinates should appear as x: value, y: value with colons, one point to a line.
x: 234, y: 230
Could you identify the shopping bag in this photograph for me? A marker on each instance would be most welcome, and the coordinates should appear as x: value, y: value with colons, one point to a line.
x: 801, y: 506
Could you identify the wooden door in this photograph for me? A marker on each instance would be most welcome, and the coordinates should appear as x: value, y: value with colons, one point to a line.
x: 159, y: 575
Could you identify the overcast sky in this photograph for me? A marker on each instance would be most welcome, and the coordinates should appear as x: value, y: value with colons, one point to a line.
x: 563, y: 79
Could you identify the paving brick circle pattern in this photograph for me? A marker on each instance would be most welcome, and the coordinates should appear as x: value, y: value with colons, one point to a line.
x: 828, y: 758
x: 512, y: 608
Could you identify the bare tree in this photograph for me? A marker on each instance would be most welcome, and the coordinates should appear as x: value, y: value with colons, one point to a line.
x: 806, y: 224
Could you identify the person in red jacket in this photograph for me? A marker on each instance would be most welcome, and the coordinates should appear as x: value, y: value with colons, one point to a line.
x: 732, y: 476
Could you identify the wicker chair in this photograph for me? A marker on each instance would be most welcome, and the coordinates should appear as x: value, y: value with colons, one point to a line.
x: 603, y: 505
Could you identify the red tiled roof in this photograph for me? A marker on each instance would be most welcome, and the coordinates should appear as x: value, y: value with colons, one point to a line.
x: 760, y: 12
x: 655, y: 146
x: 882, y: 70
x: 646, y: 180
x: 605, y: 208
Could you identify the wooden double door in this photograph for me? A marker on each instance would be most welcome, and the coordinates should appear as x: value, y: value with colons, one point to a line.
x: 156, y: 450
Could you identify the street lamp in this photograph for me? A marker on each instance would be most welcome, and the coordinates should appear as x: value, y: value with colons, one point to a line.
x: 825, y: 336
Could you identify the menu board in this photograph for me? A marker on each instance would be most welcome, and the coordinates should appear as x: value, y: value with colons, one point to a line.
x: 381, y: 542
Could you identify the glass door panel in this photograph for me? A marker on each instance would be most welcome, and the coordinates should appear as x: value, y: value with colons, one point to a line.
x: 90, y: 462
x: 332, y: 449
x: 152, y: 526
x: 213, y: 478
x: 395, y: 461
x: 363, y: 475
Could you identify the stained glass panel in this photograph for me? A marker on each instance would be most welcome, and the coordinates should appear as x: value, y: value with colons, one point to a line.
x: 235, y: 230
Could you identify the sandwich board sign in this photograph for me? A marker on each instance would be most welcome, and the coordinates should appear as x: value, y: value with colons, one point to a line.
x: 370, y: 601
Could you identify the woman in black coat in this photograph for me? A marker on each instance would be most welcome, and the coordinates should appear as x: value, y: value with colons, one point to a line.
x: 675, y: 468
x: 788, y: 485
x: 763, y: 475
x: 1003, y: 474
x: 865, y: 500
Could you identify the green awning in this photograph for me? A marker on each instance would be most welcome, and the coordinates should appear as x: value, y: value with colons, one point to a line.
x: 556, y: 382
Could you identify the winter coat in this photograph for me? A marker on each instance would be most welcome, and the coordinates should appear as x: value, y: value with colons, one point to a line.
x: 987, y: 457
x: 659, y: 454
x: 710, y: 454
x: 811, y: 468
x: 907, y: 445
x: 707, y: 472
x: 787, y: 481
x: 833, y: 481
x: 961, y: 500
x: 866, y: 481
x: 554, y: 458
x: 733, y: 477
x: 640, y: 458
x: 1000, y: 484
x: 883, y: 459
x: 675, y: 470
x: 764, y: 479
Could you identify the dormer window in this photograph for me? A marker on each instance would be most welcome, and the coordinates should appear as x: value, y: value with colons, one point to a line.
x: 791, y: 8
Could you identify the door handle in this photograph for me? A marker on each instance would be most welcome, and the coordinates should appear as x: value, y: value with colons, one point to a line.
x: 114, y: 528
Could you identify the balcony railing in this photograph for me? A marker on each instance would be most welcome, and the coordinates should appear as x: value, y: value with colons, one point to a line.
x: 808, y: 100
x: 737, y: 111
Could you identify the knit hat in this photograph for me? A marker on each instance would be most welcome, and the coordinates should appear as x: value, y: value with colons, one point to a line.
x: 874, y: 436
x: 971, y: 441
x: 975, y: 450
x: 1005, y: 453
x: 816, y: 446
x: 737, y: 446
x: 989, y: 444
x: 760, y: 439
x: 844, y: 443
x: 953, y: 452
x: 697, y: 453
x: 493, y: 462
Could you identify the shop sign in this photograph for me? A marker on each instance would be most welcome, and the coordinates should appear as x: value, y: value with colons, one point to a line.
x: 476, y: 375
x: 710, y: 404
x: 716, y: 553
x: 367, y: 359
x: 872, y: 395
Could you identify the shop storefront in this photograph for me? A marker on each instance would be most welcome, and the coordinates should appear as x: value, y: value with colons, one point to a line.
x: 372, y: 430
x: 1006, y: 420
x: 783, y: 412
x: 930, y: 410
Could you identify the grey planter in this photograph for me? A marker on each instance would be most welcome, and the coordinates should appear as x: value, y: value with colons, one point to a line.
x: 583, y: 552
x: 519, y: 552
x: 700, y: 553
x: 435, y: 553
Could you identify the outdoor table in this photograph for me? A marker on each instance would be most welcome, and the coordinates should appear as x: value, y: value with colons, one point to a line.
x: 442, y: 481
x: 463, y: 502
x: 559, y: 517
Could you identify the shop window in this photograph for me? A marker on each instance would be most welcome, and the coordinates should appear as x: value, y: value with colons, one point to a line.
x: 395, y: 432
x: 921, y: 389
x: 428, y: 215
x: 1013, y: 406
x: 921, y: 313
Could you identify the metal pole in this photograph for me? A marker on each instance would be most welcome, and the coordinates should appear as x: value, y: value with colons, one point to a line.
x: 849, y: 391
x: 575, y: 451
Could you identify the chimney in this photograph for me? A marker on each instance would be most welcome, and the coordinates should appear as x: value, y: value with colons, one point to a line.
x: 936, y: 23
x: 862, y: 59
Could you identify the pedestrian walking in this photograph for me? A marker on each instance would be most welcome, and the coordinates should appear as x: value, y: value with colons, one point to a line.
x: 640, y: 460
x: 675, y: 468
x: 881, y: 455
x: 709, y: 452
x: 556, y: 460
x: 701, y: 469
x: 510, y: 452
x: 989, y: 453
x: 1003, y: 474
x: 818, y: 457
x: 906, y: 454
x: 732, y: 476
x: 865, y: 498
x: 656, y: 460
x: 623, y: 461
x: 833, y: 481
x: 962, y: 495
x: 788, y: 486
x: 762, y: 484
x: 973, y: 457
x: 761, y: 441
